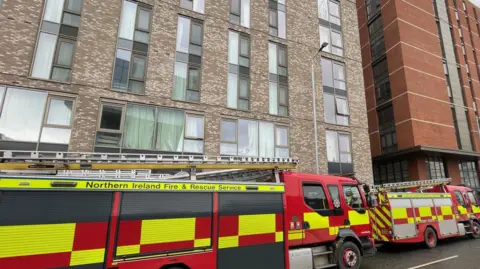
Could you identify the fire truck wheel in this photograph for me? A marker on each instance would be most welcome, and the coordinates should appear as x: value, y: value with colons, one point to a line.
x: 475, y: 231
x: 430, y: 238
x: 349, y: 256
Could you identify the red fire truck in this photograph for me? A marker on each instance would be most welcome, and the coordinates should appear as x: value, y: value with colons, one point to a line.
x: 92, y: 214
x: 424, y: 211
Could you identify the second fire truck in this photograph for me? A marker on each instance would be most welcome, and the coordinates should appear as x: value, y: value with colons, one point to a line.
x: 94, y: 216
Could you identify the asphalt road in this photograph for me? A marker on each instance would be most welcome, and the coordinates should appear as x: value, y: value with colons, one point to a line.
x: 418, y: 257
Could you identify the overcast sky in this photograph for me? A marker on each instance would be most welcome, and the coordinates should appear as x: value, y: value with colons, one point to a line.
x: 476, y: 2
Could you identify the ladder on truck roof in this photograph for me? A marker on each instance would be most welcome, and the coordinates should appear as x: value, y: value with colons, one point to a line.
x: 140, y: 166
x: 412, y: 184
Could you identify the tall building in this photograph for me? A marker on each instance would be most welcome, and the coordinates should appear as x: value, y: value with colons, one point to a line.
x: 421, y: 70
x: 185, y: 77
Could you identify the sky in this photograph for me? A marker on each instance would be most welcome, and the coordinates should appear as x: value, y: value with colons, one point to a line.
x: 476, y: 2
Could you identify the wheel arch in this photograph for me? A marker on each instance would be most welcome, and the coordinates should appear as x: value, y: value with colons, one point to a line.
x: 348, y: 235
x: 175, y: 266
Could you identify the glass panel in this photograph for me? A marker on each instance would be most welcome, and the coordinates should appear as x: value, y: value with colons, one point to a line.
x: 244, y: 46
x: 332, y: 146
x: 266, y: 140
x: 232, y: 93
x: 194, y: 126
x: 273, y: 18
x: 196, y: 34
x: 193, y: 146
x: 337, y: 39
x: 22, y: 115
x: 170, y: 124
x: 282, y: 71
x: 228, y: 149
x: 228, y: 131
x: 127, y: 20
x: 247, y: 138
x: 244, y: 61
x: 141, y: 37
x: 144, y: 20
x: 272, y: 58
x: 74, y: 5
x: 55, y: 135
x: 136, y: 86
x: 193, y: 79
x: 314, y: 197
x: 180, y: 81
x: 71, y: 19
x: 233, y: 47
x: 199, y: 6
x: 273, y: 96
x: 65, y: 53
x: 283, y: 111
x: 108, y: 139
x: 325, y: 37
x: 183, y: 34
x: 235, y: 7
x: 44, y: 56
x: 50, y: 27
x: 188, y: 4
x: 193, y: 96
x: 323, y: 9
x: 344, y: 143
x: 61, y: 74
x: 195, y: 50
x: 138, y: 71
x: 122, y: 67
x: 60, y: 112
x: 283, y: 95
x: 243, y: 104
x: 282, y: 57
x: 342, y: 106
x: 338, y: 71
x: 53, y: 10
x: 282, y: 153
x: 245, y: 16
x: 329, y: 105
x: 327, y: 73
x: 111, y: 118
x: 139, y: 127
x: 282, y: 136
x: 340, y: 85
x: 334, y: 9
x: 243, y: 88
x: 282, y: 25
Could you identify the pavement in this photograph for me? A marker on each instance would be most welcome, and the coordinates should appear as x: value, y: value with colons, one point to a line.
x: 454, y: 253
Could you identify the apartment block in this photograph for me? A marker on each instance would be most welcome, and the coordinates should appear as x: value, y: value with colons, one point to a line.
x: 186, y: 77
x: 421, y: 68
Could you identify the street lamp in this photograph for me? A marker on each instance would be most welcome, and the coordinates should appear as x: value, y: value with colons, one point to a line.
x: 324, y: 44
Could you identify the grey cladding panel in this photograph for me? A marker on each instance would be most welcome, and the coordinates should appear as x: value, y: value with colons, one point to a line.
x: 42, y: 207
x: 165, y: 205
x: 266, y: 256
x: 250, y: 203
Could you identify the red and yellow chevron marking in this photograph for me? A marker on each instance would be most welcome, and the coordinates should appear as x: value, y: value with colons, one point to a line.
x: 381, y: 224
x: 161, y: 235
x: 52, y: 245
x: 247, y: 230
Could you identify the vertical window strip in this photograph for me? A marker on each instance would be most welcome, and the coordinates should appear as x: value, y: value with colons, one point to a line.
x: 130, y: 66
x: 335, y: 94
x: 339, y: 153
x: 277, y: 19
x: 330, y: 26
x: 195, y: 5
x: 238, y: 89
x: 278, y: 77
x: 240, y: 12
x: 57, y: 39
x: 188, y: 60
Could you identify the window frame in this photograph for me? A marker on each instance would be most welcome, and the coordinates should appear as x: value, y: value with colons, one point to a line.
x: 471, y: 168
x: 47, y: 109
x: 278, y: 48
x: 240, y: 75
x: 338, y: 93
x: 458, y: 194
x: 276, y: 11
x: 122, y: 118
x: 356, y: 187
x: 438, y: 167
x: 198, y: 116
x: 339, y: 152
x: 327, y: 205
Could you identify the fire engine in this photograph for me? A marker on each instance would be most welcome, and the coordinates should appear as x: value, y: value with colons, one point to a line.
x: 97, y: 211
x: 424, y: 212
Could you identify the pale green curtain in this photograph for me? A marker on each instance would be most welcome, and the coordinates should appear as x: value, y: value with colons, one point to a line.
x: 180, y: 81
x: 170, y: 126
x: 139, y: 127
x: 267, y: 140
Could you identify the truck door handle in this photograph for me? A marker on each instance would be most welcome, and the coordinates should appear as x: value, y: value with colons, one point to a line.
x: 306, y: 225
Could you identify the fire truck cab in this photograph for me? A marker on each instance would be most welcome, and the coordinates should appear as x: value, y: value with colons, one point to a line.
x: 328, y: 221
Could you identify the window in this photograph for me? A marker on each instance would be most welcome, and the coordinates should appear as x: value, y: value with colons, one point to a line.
x: 391, y: 172
x: 380, y: 70
x: 472, y: 198
x: 373, y: 7
x: 383, y: 92
x: 132, y: 48
x: 195, y: 5
x: 141, y: 127
x: 238, y: 92
x: 459, y: 197
x: 253, y: 139
x: 240, y: 12
x: 314, y: 197
x: 334, y: 193
x: 334, y: 40
x: 188, y: 60
x: 330, y: 29
x: 57, y: 39
x: 35, y: 116
x: 435, y: 167
x: 329, y: 11
x: 277, y: 20
x: 352, y: 196
x: 335, y: 94
x: 377, y: 43
x: 278, y: 85
x: 386, y: 127
x: 468, y: 173
x: 339, y: 153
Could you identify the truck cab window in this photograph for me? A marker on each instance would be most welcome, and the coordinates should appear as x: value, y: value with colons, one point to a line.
x: 472, y: 199
x: 352, y: 196
x: 314, y: 197
x: 459, y: 197
x: 334, y: 193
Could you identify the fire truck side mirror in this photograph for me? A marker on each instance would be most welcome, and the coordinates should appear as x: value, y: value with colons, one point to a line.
x: 372, y: 200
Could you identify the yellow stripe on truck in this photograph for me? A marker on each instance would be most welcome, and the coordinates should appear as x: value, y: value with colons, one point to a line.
x: 167, y: 230
x: 256, y: 224
x: 316, y: 221
x: 25, y: 240
x: 87, y: 256
x: 357, y: 218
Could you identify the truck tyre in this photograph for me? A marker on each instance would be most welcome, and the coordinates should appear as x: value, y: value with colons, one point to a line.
x: 430, y: 238
x: 475, y: 230
x: 349, y: 256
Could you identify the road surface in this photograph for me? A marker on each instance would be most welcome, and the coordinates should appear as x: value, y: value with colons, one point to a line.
x: 456, y: 253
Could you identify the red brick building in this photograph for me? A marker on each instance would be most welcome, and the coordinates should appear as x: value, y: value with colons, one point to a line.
x: 421, y: 65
